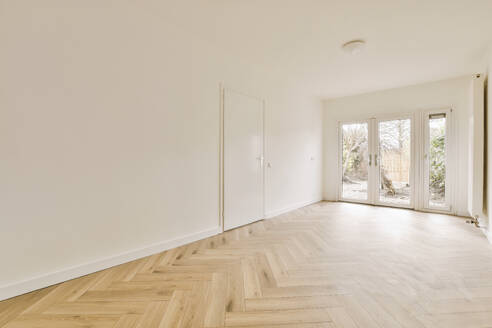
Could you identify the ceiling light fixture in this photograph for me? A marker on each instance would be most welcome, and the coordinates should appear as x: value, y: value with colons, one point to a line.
x: 354, y: 47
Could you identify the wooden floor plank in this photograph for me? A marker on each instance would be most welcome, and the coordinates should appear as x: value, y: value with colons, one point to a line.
x: 276, y: 317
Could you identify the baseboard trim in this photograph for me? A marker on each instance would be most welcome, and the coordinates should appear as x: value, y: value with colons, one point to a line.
x: 289, y: 208
x: 56, y: 277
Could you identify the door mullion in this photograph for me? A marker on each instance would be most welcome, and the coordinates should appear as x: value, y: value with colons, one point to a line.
x: 375, y: 156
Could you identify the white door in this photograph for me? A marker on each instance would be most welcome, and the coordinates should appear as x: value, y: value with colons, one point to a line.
x: 437, y: 195
x: 243, y: 159
x: 394, y: 162
x: 355, y: 161
x: 376, y: 161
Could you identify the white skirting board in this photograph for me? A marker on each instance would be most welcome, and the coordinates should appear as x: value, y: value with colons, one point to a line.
x: 271, y: 214
x: 56, y: 277
x: 487, y: 234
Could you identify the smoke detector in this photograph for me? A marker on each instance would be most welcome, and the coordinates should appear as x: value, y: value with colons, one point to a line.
x: 354, y: 47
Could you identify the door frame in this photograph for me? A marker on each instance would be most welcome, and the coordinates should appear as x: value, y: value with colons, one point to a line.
x: 373, y: 170
x: 450, y: 160
x: 413, y: 159
x: 222, y: 93
x: 418, y: 140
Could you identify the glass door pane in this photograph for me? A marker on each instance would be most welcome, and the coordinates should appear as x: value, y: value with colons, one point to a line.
x: 436, y: 154
x: 395, y: 162
x: 355, y: 161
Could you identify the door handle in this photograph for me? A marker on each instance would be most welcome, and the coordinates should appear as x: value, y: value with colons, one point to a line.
x: 370, y: 159
x: 261, y: 159
x: 375, y: 159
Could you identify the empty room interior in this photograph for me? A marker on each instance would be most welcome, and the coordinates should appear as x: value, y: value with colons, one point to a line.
x: 245, y: 163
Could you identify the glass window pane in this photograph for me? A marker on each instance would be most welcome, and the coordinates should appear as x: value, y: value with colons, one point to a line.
x: 437, y: 160
x: 354, y: 161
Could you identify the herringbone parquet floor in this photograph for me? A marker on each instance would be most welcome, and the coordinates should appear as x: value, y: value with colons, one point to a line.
x: 326, y: 265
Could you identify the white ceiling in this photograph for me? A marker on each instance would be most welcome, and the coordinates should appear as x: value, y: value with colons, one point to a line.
x: 408, y: 41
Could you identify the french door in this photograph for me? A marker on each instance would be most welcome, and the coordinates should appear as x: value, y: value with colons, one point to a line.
x: 377, y: 161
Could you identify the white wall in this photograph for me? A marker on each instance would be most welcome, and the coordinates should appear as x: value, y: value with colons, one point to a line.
x: 109, y: 134
x: 454, y: 93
